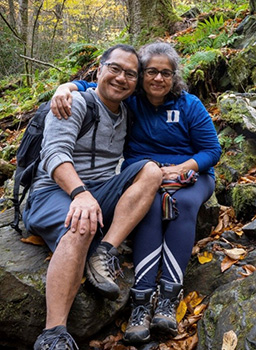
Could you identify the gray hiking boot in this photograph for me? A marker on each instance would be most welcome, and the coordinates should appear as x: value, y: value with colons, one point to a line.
x: 56, y: 338
x: 137, y: 330
x: 102, y: 269
x: 164, y: 319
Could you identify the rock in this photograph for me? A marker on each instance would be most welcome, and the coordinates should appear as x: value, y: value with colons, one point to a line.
x: 22, y: 296
x: 191, y: 13
x: 231, y: 299
x: 232, y: 307
x: 246, y: 30
x: 250, y: 229
x: 207, y: 217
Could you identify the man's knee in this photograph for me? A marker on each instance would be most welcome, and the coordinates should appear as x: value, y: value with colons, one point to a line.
x: 152, y: 174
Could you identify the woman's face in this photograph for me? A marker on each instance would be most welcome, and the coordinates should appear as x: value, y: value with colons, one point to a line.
x: 156, y: 84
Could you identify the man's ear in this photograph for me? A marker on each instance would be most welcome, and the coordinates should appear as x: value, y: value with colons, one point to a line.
x: 99, y: 71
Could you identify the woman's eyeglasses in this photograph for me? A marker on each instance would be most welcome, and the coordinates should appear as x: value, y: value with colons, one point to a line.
x: 153, y: 72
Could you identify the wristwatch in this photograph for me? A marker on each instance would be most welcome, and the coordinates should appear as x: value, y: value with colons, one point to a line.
x: 77, y: 190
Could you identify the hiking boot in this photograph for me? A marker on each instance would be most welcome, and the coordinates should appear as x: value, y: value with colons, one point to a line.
x: 102, y: 269
x: 137, y: 330
x: 56, y: 338
x: 164, y: 319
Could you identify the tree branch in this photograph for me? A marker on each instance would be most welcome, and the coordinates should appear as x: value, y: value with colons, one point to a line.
x: 40, y: 62
x: 11, y: 28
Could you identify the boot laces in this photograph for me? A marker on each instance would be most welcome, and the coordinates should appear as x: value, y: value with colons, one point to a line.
x: 165, y: 307
x: 113, y: 267
x: 138, y: 314
x: 63, y: 341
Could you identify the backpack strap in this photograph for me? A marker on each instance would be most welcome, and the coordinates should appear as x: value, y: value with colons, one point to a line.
x: 92, y: 117
x: 22, y: 155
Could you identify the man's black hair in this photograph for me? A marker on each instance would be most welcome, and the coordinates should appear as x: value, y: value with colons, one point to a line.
x: 127, y: 48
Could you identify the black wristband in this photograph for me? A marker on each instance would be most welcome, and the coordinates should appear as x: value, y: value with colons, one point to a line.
x: 77, y: 190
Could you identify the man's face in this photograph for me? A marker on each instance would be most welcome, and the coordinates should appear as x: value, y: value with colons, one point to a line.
x: 112, y: 87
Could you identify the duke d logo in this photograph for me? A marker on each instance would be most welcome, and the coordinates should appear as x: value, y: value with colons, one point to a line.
x: 173, y: 116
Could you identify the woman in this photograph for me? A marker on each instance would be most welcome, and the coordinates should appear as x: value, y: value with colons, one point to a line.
x: 173, y: 128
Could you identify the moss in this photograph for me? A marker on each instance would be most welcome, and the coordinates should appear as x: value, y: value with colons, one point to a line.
x: 243, y: 196
x: 241, y: 69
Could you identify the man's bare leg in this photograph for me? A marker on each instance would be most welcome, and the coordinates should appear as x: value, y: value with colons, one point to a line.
x: 64, y: 276
x: 134, y: 204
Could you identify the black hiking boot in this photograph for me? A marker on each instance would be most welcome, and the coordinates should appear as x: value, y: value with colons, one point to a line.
x: 137, y: 330
x: 102, y: 269
x: 56, y: 338
x: 164, y: 320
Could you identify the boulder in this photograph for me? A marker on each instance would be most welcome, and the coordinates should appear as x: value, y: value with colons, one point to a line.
x: 231, y: 298
x: 22, y: 295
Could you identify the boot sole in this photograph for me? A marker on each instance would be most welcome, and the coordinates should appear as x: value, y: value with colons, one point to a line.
x: 163, y: 330
x: 109, y: 294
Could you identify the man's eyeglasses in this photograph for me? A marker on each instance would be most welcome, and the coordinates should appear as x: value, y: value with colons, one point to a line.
x: 153, y: 72
x: 115, y: 69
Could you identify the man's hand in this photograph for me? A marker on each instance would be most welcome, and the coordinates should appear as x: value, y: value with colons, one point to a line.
x: 62, y: 100
x: 86, y: 210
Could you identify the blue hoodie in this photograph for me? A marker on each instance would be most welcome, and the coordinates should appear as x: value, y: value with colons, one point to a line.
x: 172, y: 133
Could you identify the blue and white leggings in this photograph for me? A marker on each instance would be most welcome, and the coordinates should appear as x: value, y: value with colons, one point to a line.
x: 167, y: 245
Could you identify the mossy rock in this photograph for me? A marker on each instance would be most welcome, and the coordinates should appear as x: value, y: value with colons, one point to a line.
x: 244, y: 200
x: 242, y: 68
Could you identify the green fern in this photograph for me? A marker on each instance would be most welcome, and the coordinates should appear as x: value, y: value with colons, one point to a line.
x: 199, y: 58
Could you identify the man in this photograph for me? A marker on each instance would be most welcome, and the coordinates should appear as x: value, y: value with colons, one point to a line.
x: 69, y: 200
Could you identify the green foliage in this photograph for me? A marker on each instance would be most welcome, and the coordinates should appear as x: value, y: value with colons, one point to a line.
x: 209, y: 34
x: 227, y: 141
x: 201, y: 58
x: 81, y: 53
x: 206, y: 6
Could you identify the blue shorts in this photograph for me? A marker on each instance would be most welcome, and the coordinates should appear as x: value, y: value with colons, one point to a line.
x: 46, y: 209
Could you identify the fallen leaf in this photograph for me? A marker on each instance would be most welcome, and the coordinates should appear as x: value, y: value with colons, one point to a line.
x: 229, y: 341
x: 226, y: 263
x: 204, y: 257
x: 235, y: 253
x: 48, y: 258
x: 199, y: 309
x: 196, y: 299
x: 181, y: 311
x: 36, y: 240
x: 249, y: 269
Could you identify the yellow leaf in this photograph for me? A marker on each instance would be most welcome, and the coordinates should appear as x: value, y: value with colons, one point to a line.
x: 36, y: 240
x: 205, y: 257
x: 199, y: 309
x: 181, y: 311
x: 196, y: 300
x: 229, y: 341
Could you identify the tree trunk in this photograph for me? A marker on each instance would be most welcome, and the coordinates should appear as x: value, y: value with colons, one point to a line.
x: 252, y: 6
x: 23, y: 30
x: 150, y: 19
x: 12, y: 20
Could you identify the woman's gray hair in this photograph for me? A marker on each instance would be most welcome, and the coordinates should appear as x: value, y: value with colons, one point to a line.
x: 147, y: 51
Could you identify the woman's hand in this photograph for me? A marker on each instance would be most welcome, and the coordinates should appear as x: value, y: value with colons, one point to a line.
x: 62, y: 100
x: 172, y: 171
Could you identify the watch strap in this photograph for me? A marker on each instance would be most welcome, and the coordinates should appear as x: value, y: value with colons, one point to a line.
x: 78, y: 190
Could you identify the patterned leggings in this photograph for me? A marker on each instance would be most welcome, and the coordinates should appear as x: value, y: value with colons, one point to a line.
x: 167, y: 245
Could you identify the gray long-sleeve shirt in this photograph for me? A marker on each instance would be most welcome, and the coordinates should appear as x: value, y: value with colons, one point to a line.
x: 60, y: 144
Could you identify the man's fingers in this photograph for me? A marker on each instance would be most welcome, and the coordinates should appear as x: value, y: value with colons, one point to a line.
x: 68, y: 217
